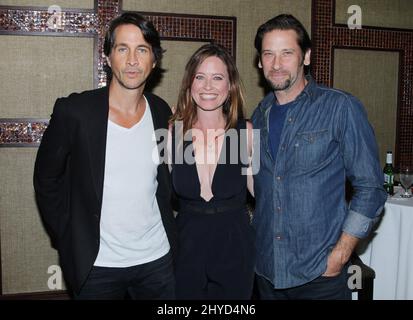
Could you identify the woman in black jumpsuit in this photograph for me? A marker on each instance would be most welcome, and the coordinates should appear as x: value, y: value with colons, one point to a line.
x: 216, y: 253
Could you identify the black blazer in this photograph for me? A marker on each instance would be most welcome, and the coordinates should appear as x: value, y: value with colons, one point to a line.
x: 68, y: 178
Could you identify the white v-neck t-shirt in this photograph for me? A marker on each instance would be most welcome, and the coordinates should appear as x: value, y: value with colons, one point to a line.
x: 131, y: 229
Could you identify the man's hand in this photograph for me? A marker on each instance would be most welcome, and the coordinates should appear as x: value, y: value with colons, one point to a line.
x: 340, y: 255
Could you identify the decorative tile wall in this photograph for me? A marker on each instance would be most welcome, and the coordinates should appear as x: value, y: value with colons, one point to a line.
x: 327, y: 35
x: 94, y: 23
x: 23, y: 132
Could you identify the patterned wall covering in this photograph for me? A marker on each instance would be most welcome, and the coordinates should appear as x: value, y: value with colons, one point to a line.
x: 94, y: 23
x: 327, y: 35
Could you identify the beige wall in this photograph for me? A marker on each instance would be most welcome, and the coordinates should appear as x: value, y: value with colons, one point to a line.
x: 35, y: 70
x: 25, y: 248
x: 357, y: 71
x: 379, y: 13
x: 250, y: 14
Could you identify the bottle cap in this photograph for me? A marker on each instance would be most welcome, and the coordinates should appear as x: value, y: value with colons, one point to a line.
x: 389, y: 157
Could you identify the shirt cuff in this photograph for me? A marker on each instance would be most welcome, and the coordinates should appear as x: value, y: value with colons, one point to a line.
x: 358, y: 225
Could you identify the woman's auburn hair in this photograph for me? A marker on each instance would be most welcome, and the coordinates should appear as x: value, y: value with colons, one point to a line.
x: 186, y: 109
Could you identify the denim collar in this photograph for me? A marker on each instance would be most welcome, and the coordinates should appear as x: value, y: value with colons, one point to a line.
x: 308, y: 91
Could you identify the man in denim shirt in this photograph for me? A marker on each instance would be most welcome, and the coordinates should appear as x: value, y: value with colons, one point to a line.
x: 312, y: 139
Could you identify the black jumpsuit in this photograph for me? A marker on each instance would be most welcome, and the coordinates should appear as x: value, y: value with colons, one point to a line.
x: 217, y: 252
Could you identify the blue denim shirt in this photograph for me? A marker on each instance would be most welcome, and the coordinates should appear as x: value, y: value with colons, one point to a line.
x: 301, y: 209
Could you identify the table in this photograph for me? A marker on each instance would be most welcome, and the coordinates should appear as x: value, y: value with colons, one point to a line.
x: 389, y: 250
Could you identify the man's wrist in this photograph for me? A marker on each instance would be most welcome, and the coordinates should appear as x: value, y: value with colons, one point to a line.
x: 345, y: 246
x: 341, y: 254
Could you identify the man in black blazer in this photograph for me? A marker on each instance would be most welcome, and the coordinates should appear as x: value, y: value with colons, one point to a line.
x: 103, y: 195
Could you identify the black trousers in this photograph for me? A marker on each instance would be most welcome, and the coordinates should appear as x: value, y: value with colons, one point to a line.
x: 149, y: 281
x: 321, y: 288
x: 216, y: 257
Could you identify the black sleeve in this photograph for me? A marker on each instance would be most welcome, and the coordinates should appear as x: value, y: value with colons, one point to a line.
x: 50, y: 172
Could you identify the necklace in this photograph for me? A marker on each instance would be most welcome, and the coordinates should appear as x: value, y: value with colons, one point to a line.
x: 211, y: 143
x: 208, y: 144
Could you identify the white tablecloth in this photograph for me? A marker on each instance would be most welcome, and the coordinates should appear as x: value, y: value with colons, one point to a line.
x: 389, y: 250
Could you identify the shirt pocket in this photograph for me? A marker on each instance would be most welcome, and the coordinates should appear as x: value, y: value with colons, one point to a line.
x: 311, y: 148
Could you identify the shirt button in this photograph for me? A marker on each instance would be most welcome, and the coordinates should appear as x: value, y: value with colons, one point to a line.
x: 278, y: 178
x: 277, y: 237
x: 282, y: 148
x: 290, y: 119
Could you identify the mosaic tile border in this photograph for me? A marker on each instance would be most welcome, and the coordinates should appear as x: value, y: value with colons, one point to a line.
x: 22, y: 132
x: 94, y: 23
x: 327, y: 35
x: 69, y: 22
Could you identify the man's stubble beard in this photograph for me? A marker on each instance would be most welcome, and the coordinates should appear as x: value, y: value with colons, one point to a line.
x: 281, y: 86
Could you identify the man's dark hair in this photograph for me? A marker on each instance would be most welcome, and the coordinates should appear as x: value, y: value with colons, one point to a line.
x: 149, y: 32
x: 284, y: 22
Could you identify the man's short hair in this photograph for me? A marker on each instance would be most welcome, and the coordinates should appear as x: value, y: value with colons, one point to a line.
x: 284, y: 22
x: 149, y: 32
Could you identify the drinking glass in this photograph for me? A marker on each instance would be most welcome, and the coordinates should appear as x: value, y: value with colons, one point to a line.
x: 406, y: 180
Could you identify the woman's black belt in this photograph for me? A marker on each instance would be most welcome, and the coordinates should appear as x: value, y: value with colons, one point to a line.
x: 213, y: 208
